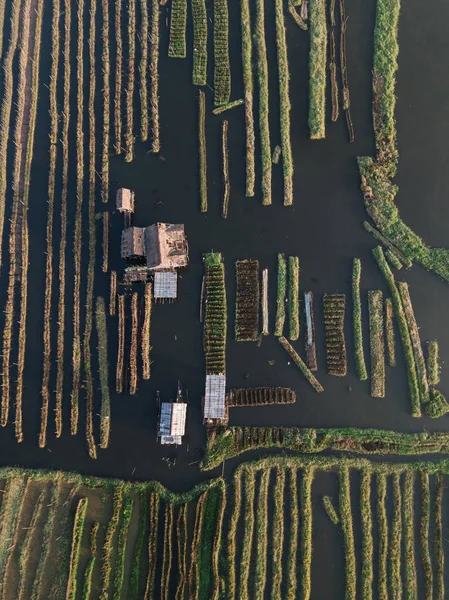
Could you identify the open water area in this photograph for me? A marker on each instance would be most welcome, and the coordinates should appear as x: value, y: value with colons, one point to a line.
x: 324, y: 228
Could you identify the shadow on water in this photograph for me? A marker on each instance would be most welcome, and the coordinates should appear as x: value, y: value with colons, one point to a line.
x: 323, y: 228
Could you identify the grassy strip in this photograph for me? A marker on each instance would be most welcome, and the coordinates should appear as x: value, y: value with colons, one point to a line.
x: 302, y: 366
x: 194, y: 571
x: 278, y: 534
x: 213, y: 533
x: 105, y: 412
x: 129, y: 92
x: 134, y: 578
x: 393, y: 259
x: 167, y: 551
x: 215, y: 321
x: 202, y: 150
x: 333, y: 74
x: 154, y: 77
x: 222, y: 67
x: 260, y: 575
x: 317, y: 70
x: 348, y: 533
x: 305, y: 568
x: 5, y: 114
x: 143, y: 68
x: 199, y: 17
x: 122, y: 541
x: 29, y: 541
x: 437, y: 405
x: 225, y: 162
x: 248, y: 531
x: 230, y: 442
x: 293, y: 297
x: 281, y: 293
x: 408, y: 517
x: 264, y: 302
x: 264, y: 126
x: 297, y: 18
x: 357, y: 320
x: 403, y: 330
x: 2, y: 23
x: 12, y: 501
x: 63, y: 237
x: 118, y: 77
x: 383, y: 240
x: 433, y: 364
x: 424, y: 527
x: 178, y: 23
x: 182, y: 539
x: 438, y: 538
x: 284, y: 103
x: 276, y: 155
x: 113, y: 294
x: 77, y: 245
x: 260, y: 396
x: 344, y: 72
x: 152, y: 545
x: 334, y: 321
x: 87, y: 586
x: 50, y: 218
x: 77, y: 536
x: 310, y: 338
x: 91, y: 234
x: 330, y: 510
x: 133, y: 348
x: 225, y: 107
x: 247, y: 66
x: 382, y: 524
x: 416, y: 342
x: 247, y: 300
x: 121, y: 345
x: 377, y: 346
x: 232, y: 533
x: 292, y: 580
x: 145, y: 337
x: 366, y: 518
x: 106, y: 70
x: 394, y: 559
x: 108, y: 547
x: 389, y: 332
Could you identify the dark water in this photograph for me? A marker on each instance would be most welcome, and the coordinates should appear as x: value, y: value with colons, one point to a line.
x: 323, y: 228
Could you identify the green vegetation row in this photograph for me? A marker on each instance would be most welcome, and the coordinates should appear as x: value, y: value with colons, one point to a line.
x: 389, y: 332
x: 145, y: 337
x: 133, y: 344
x: 178, y: 23
x: 105, y: 411
x: 225, y: 169
x: 119, y: 372
x: 225, y: 107
x: 229, y: 442
x: 310, y: 340
x: 281, y: 293
x: 334, y: 319
x: 248, y: 89
x: 357, y: 320
x: 222, y: 66
x: 215, y: 321
x: 199, y: 17
x: 433, y: 365
x: 77, y: 535
x: 301, y: 365
x: 262, y: 77
x: 247, y: 300
x: 293, y: 297
x: 377, y: 344
x: 129, y: 91
x: 317, y: 69
x: 202, y: 152
x: 260, y: 396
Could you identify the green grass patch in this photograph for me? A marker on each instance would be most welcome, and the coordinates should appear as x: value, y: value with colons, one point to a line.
x: 357, y: 320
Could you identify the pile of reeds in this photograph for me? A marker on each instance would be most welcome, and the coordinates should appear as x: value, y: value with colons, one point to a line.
x: 334, y: 320
x: 260, y: 396
x: 389, y: 332
x: 121, y: 345
x: 77, y: 535
x: 264, y: 126
x: 333, y: 67
x: 357, y: 320
x: 202, y: 153
x: 178, y: 22
x: 225, y: 161
x: 284, y: 103
x: 103, y: 363
x: 377, y: 348
x: 222, y: 66
x: 154, y: 76
x: 293, y: 297
x: 143, y: 68
x: 247, y: 300
x: 121, y: 546
x: 106, y: 70
x: 302, y: 366
x: 113, y: 293
x: 129, y: 92
x: 145, y: 337
x: 317, y: 69
x: 133, y: 347
x: 118, y: 77
x: 247, y: 52
x: 215, y: 321
x: 199, y: 17
x: 281, y: 293
x: 310, y: 341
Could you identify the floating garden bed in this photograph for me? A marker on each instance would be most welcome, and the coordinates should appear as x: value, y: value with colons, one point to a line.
x: 260, y: 396
x: 377, y: 345
x: 215, y: 321
x: 247, y: 301
x: 334, y: 320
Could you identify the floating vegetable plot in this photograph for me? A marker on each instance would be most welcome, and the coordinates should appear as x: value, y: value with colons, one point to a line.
x: 302, y: 366
x: 247, y: 301
x: 334, y: 319
x: 357, y: 320
x: 261, y: 396
x: 178, y: 23
x: 199, y: 17
x: 281, y: 293
x: 248, y: 88
x: 433, y: 366
x: 225, y: 165
x: 215, y: 320
x: 310, y: 342
x: 389, y: 332
x: 202, y: 153
x: 317, y: 69
x: 293, y: 297
x: 222, y: 66
x: 377, y: 348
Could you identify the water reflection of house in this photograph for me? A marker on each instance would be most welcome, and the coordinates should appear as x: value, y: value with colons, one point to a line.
x: 172, y: 420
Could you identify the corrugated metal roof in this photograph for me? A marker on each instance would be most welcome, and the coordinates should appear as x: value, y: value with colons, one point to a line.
x: 165, y: 284
x: 214, y: 399
x: 171, y: 439
x: 173, y: 419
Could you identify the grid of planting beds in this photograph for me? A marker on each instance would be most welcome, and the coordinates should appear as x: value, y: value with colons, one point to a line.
x: 261, y: 396
x: 334, y: 319
x: 215, y: 320
x: 247, y: 301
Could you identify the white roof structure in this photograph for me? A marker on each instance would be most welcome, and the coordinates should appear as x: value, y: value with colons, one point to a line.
x: 125, y: 200
x: 172, y: 424
x: 165, y: 284
x: 214, y: 399
x: 308, y: 319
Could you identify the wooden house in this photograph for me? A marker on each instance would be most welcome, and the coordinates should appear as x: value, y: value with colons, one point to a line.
x: 133, y: 242
x: 166, y: 246
x: 124, y: 201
